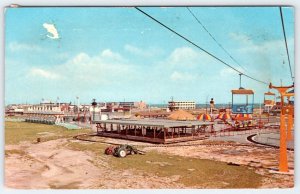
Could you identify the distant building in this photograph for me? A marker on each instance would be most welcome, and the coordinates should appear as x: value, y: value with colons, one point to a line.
x: 187, y: 105
x: 125, y: 106
x: 14, y: 110
x: 138, y: 105
x: 48, y: 106
x: 44, y: 106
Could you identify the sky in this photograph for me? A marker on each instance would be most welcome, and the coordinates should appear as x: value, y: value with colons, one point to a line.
x: 118, y: 53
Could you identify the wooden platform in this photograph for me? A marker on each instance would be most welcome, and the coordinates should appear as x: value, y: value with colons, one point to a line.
x: 154, y: 130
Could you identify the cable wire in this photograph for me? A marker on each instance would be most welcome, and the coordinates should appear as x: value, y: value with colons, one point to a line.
x: 286, y: 46
x: 219, y: 44
x: 186, y: 39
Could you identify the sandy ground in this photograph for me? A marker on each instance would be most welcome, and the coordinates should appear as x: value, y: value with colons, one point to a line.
x: 51, y: 165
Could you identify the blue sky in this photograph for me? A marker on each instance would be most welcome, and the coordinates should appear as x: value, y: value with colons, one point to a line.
x: 113, y: 54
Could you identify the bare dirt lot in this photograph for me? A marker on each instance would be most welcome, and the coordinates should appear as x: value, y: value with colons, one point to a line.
x: 59, y: 161
x: 51, y: 165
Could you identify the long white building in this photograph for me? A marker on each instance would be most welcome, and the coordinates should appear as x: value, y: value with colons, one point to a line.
x: 175, y: 105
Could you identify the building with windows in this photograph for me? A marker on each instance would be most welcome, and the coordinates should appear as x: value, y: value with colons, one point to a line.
x: 125, y: 106
x: 187, y: 105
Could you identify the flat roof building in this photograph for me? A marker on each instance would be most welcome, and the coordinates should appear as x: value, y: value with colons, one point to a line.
x: 154, y: 130
x: 186, y: 105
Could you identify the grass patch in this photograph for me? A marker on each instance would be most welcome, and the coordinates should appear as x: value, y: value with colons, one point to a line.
x: 193, y: 172
x: 21, y: 153
x: 15, y: 132
x: 97, y: 148
x: 73, y: 185
x: 14, y: 151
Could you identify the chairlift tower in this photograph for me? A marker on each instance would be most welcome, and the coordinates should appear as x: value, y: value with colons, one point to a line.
x: 285, y: 131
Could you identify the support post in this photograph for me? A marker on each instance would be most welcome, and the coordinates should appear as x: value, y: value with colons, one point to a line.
x: 283, y: 162
x: 289, y: 126
x: 283, y: 153
x: 172, y: 132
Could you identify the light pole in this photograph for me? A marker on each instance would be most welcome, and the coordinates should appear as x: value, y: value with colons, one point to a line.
x: 94, y: 104
x: 58, y: 104
x: 78, y: 108
x: 77, y: 98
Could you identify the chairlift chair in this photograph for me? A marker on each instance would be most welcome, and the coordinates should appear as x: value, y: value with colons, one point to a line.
x: 245, y: 107
x: 269, y: 101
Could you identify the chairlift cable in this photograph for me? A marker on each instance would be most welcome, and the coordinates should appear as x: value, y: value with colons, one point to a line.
x: 219, y: 44
x: 186, y: 39
x: 286, y: 46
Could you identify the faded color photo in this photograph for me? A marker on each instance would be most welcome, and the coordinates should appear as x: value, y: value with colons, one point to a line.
x: 149, y: 97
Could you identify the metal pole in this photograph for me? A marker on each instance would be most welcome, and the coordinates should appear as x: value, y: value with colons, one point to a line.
x: 77, y: 104
x: 58, y: 104
x: 93, y: 113
x: 240, y: 81
x: 283, y: 164
x: 260, y: 109
x: 78, y: 117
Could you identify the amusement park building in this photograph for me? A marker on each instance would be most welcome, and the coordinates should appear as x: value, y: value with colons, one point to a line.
x: 175, y: 105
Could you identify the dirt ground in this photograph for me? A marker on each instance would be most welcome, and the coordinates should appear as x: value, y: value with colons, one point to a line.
x: 51, y: 164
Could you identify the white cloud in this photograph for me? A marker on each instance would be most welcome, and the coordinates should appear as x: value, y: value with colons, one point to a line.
x: 183, y: 76
x: 80, y: 58
x: 148, y: 52
x: 184, y: 56
x: 102, y: 69
x: 266, y: 47
x: 228, y: 72
x: 265, y: 60
x: 134, y: 50
x: 108, y: 54
x: 52, y: 30
x: 37, y: 72
x: 186, y: 59
x: 243, y: 38
x: 15, y: 46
